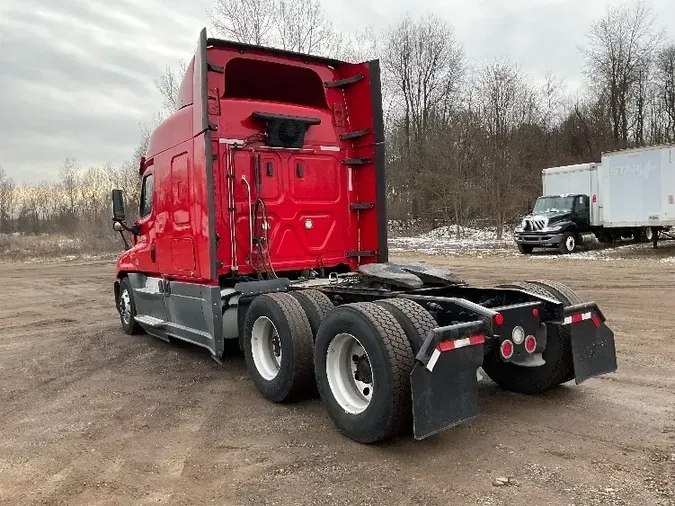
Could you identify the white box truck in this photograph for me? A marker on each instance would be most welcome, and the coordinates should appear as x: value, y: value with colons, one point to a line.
x: 630, y: 194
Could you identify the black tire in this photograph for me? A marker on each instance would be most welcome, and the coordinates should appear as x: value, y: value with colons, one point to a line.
x: 558, y: 356
x: 389, y: 412
x: 643, y: 234
x: 568, y: 244
x: 131, y: 326
x: 295, y: 377
x: 316, y: 305
x: 415, y: 321
x: 562, y: 292
x: 527, y: 286
x: 525, y: 249
x: 568, y: 297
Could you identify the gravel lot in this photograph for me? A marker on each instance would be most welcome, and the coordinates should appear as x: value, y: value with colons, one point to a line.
x: 93, y: 416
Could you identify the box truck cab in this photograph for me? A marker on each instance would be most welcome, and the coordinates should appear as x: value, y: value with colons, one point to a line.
x: 555, y: 221
x: 564, y: 215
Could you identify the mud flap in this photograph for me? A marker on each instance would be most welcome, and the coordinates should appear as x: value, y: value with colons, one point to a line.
x: 593, y: 349
x: 446, y: 395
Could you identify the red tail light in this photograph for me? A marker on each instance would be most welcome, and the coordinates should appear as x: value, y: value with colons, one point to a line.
x: 499, y: 319
x: 596, y: 321
x: 506, y: 349
x: 535, y: 312
x: 530, y: 344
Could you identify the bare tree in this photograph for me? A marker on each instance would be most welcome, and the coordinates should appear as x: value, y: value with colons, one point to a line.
x: 7, y: 200
x: 423, y: 64
x: 621, y: 47
x: 507, y: 105
x: 69, y: 182
x: 168, y: 84
x: 294, y: 25
x: 247, y: 21
x: 303, y: 27
x: 665, y: 90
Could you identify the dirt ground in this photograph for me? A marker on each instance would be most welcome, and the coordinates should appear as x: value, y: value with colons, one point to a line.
x: 90, y: 415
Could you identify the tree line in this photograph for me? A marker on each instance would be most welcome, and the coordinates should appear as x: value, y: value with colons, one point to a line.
x: 466, y: 141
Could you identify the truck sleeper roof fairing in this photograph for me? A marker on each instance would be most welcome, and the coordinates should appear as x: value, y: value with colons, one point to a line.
x: 232, y: 91
x: 243, y: 48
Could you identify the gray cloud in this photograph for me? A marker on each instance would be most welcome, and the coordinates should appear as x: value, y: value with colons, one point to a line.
x: 76, y: 76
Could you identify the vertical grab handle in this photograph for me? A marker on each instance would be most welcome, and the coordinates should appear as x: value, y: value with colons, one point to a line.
x: 250, y: 215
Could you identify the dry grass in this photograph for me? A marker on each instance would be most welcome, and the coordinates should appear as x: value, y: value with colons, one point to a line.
x: 44, y: 247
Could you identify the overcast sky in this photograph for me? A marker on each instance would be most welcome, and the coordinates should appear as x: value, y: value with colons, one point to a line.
x: 76, y: 76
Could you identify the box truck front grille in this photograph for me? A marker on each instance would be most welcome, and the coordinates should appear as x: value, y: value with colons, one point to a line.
x: 535, y: 224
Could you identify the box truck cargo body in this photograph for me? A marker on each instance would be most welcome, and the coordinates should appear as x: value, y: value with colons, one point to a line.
x: 639, y: 187
x: 581, y: 179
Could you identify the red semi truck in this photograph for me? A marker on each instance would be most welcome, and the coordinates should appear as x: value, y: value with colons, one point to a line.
x: 262, y: 222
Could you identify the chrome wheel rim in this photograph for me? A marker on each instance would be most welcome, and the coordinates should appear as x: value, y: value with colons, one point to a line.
x: 125, y: 307
x: 570, y: 243
x: 349, y: 373
x: 266, y: 348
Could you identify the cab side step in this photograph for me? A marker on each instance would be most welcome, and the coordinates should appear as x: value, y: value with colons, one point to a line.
x: 150, y: 321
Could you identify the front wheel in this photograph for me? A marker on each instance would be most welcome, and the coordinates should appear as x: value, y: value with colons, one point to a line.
x: 525, y: 249
x: 568, y: 243
x: 363, y: 362
x: 127, y: 308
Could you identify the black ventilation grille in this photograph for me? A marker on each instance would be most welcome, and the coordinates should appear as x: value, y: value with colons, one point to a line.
x: 285, y: 131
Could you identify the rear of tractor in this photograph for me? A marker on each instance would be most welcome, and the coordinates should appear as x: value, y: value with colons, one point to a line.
x: 395, y: 348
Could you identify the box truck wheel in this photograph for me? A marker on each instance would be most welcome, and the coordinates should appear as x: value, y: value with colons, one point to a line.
x: 568, y: 244
x: 278, y: 347
x: 363, y: 363
x: 557, y: 355
x: 643, y: 234
x: 525, y: 249
x: 127, y: 308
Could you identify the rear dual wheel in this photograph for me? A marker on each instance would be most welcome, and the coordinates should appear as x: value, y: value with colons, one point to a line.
x: 279, y: 333
x: 360, y: 361
x: 559, y: 367
x: 363, y: 357
x: 278, y: 347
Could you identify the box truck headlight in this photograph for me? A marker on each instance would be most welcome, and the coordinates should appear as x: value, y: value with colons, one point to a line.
x: 554, y: 228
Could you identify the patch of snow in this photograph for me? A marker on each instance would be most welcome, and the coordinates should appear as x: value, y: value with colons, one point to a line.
x: 444, y: 240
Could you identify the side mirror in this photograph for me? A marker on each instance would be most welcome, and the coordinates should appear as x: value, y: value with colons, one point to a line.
x: 118, y: 206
